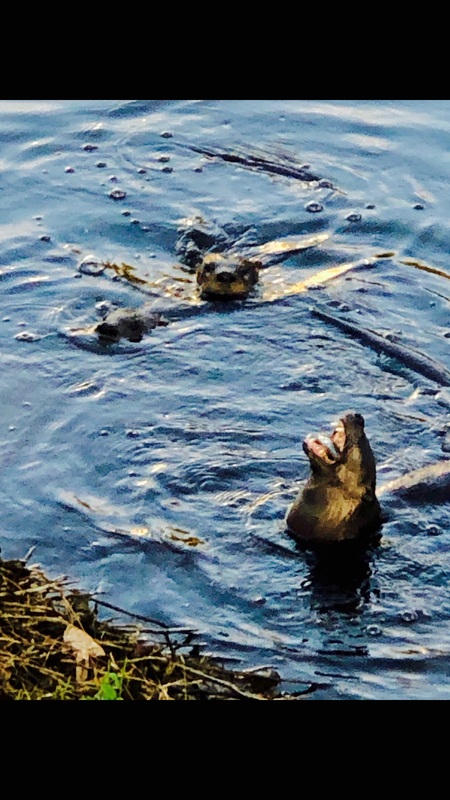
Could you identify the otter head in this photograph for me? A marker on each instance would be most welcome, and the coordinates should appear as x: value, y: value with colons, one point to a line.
x: 346, y: 454
x: 221, y: 278
x: 130, y: 328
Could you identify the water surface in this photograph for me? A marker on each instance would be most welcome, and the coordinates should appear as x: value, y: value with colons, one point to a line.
x: 159, y: 473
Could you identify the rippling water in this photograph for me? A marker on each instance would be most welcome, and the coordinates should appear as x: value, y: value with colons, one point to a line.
x: 159, y: 473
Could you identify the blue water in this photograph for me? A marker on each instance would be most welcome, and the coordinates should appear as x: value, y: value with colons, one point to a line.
x: 159, y: 473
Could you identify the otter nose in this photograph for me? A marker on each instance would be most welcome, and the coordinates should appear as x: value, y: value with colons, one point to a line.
x: 225, y: 277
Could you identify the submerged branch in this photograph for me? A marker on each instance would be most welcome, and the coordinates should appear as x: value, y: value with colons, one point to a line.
x: 413, y: 359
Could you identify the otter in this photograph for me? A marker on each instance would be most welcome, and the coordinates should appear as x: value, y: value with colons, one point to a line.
x: 129, y: 323
x: 219, y: 279
x: 338, y: 502
x: 226, y: 268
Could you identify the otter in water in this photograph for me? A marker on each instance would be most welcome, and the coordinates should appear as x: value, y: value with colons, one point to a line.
x: 222, y: 278
x: 128, y: 323
x: 226, y: 265
x: 338, y: 502
x: 219, y: 279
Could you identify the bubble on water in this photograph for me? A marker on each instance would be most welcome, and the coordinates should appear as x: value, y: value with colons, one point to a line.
x: 354, y: 218
x: 167, y: 135
x: 141, y: 171
x: 373, y: 630
x: 69, y: 169
x: 409, y: 616
x: 91, y: 265
x: 118, y: 194
x: 163, y: 159
x: 370, y: 206
x: 90, y: 147
x: 419, y: 207
x: 133, y: 434
x: 44, y: 238
x: 101, y: 164
x: 433, y: 530
x: 27, y: 336
x: 167, y: 169
x: 313, y: 207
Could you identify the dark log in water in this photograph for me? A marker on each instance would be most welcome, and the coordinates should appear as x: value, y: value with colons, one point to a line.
x: 413, y: 359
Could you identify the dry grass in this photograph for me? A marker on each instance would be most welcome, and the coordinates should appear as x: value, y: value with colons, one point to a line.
x: 54, y: 647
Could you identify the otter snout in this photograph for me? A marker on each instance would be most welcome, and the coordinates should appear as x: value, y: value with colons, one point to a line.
x: 225, y: 277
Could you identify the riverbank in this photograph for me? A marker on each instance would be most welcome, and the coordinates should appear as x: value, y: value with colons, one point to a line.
x: 54, y: 646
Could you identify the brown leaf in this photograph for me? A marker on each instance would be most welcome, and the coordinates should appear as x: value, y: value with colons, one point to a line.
x: 84, y: 647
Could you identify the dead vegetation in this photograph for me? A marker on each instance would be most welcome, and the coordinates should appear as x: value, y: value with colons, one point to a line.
x: 53, y: 646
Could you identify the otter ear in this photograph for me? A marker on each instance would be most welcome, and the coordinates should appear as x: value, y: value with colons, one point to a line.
x: 251, y: 267
x: 254, y: 266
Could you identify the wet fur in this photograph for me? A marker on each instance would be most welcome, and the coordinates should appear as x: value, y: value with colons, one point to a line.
x: 128, y: 323
x: 226, y: 278
x: 338, y: 502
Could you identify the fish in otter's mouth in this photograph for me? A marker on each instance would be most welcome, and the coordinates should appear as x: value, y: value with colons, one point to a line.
x: 330, y: 448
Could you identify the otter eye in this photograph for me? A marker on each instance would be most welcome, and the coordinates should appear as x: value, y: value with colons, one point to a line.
x: 247, y: 271
x: 208, y: 268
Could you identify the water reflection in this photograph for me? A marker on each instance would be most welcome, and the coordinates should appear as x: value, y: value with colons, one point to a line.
x: 339, y: 577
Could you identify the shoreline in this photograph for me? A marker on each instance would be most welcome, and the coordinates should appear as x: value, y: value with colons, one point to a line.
x: 55, y: 647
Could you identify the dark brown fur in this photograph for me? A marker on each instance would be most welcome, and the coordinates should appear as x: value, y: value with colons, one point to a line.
x: 338, y: 502
x: 128, y: 323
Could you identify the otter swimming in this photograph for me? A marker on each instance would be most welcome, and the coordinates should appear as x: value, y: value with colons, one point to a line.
x: 129, y: 323
x: 338, y: 502
x: 219, y: 279
x: 225, y: 269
